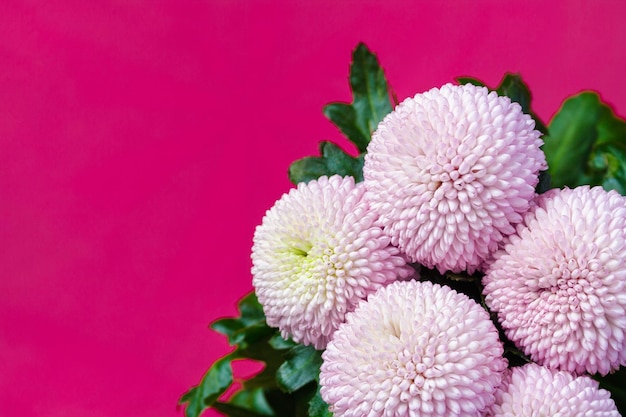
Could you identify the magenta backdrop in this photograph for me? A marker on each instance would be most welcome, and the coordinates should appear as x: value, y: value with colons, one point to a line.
x: 142, y: 141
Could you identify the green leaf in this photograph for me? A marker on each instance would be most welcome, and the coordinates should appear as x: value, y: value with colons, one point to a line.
x: 214, y: 383
x: 263, y: 351
x: 294, y: 404
x: 333, y: 161
x: 608, y: 167
x: 228, y: 326
x: 573, y: 132
x: 249, y: 327
x: 586, y: 144
x: 318, y: 407
x: 301, y: 367
x: 370, y: 103
x: 514, y: 88
x: 253, y: 400
x: 235, y: 411
x: 251, y: 310
x: 278, y: 343
x: 470, y: 80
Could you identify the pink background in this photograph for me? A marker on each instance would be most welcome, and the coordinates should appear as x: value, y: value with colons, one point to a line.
x: 142, y: 141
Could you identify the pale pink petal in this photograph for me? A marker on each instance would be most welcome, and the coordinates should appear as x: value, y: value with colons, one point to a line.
x: 533, y: 390
x: 413, y: 349
x: 559, y: 284
x: 451, y: 172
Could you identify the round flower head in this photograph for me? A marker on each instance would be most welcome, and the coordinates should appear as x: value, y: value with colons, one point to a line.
x: 533, y: 390
x: 559, y: 284
x: 450, y: 172
x: 316, y: 254
x: 413, y: 349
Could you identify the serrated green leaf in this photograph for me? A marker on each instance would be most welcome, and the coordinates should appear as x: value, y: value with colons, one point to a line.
x: 333, y: 161
x: 214, y: 383
x: 470, y: 80
x: 608, y: 167
x: 253, y: 333
x: 586, y: 144
x: 272, y: 358
x: 250, y: 308
x: 370, y: 104
x: 301, y: 367
x: 249, y: 327
x: 277, y: 342
x: 318, y: 407
x: 227, y: 326
x: 345, y: 118
x: 252, y: 400
x: 514, y: 88
x: 231, y: 410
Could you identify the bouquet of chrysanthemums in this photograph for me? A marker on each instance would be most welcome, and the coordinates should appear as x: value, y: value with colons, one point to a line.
x: 470, y: 261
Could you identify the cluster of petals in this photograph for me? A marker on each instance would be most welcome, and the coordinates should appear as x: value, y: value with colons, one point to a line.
x: 451, y: 172
x: 317, y: 253
x: 533, y: 390
x: 559, y: 284
x: 413, y: 349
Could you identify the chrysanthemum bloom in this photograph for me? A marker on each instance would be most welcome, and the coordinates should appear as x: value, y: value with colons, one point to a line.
x: 450, y: 172
x: 318, y: 253
x: 559, y: 284
x: 413, y: 349
x: 533, y: 390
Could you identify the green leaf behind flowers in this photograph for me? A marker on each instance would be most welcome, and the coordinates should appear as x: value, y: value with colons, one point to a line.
x: 284, y: 387
x: 371, y: 102
x: 587, y: 144
x: 318, y: 407
x: 356, y: 120
x: 333, y: 161
x: 301, y: 367
x: 214, y: 383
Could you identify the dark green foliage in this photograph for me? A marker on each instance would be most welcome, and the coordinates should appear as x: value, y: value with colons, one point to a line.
x: 284, y: 387
x: 357, y: 121
x: 371, y: 99
x: 333, y: 161
x: 300, y: 367
x: 587, y: 144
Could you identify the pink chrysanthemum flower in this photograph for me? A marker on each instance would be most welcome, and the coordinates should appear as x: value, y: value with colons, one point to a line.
x: 318, y: 253
x: 559, y: 284
x: 413, y: 349
x: 450, y: 172
x: 533, y: 390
